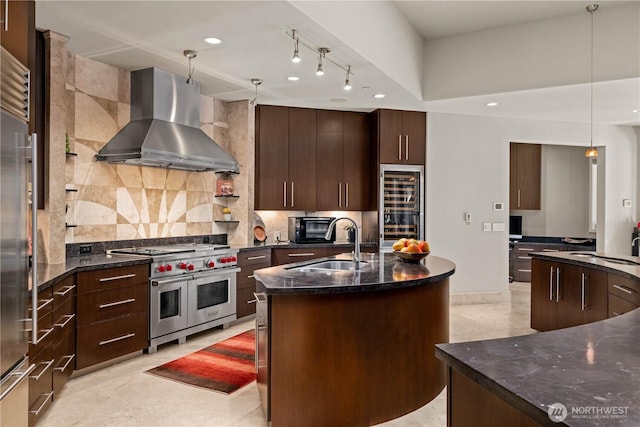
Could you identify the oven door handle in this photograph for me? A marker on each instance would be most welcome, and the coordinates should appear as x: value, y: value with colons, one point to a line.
x: 173, y: 280
x: 214, y: 273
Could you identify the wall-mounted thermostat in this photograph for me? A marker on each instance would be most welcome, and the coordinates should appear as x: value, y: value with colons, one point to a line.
x: 626, y: 203
x: 498, y: 206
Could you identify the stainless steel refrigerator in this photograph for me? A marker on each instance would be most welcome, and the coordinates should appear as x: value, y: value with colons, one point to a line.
x: 14, y: 156
x: 401, y: 210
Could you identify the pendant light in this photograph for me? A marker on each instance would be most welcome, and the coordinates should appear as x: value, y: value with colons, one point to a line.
x: 592, y: 151
x: 256, y: 83
x: 190, y: 54
x: 322, y: 51
x: 347, y: 84
x: 296, y: 55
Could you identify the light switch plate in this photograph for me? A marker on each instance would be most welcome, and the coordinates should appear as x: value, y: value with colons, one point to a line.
x: 626, y: 203
x: 467, y: 217
x: 498, y: 226
x: 486, y: 226
x: 276, y: 235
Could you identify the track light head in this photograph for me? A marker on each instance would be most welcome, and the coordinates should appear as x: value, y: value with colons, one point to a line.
x: 347, y: 84
x: 296, y: 55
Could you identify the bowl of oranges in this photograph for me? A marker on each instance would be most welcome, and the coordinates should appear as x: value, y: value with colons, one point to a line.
x: 411, y: 250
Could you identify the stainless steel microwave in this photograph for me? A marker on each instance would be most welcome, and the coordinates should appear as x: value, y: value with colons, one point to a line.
x: 310, y: 229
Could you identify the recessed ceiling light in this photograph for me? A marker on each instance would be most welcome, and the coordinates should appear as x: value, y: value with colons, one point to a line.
x: 379, y: 95
x: 492, y: 104
x: 293, y: 78
x: 635, y: 111
x: 212, y: 40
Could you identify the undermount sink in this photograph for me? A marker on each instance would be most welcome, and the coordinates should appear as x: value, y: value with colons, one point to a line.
x: 333, y: 265
x: 608, y: 259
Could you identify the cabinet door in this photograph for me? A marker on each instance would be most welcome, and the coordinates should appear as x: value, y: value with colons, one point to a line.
x: 287, y: 256
x: 302, y: 159
x: 525, y: 169
x: 543, y: 292
x: 356, y: 161
x: 414, y: 137
x: 390, y: 131
x: 272, y: 157
x: 568, y: 296
x: 594, y: 303
x: 330, y: 161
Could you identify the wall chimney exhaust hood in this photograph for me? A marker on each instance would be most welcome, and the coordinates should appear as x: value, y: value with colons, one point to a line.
x: 164, y: 130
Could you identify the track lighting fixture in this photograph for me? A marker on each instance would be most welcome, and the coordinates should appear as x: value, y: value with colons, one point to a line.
x: 322, y: 51
x: 347, y: 84
x: 256, y: 83
x: 296, y: 55
x: 592, y: 151
x: 190, y: 54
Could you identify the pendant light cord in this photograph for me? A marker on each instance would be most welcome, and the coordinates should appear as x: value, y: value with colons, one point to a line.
x: 591, y: 86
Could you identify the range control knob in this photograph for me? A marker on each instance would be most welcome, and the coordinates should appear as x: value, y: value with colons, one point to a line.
x: 190, y: 267
x: 168, y: 267
x: 183, y: 266
x: 161, y: 269
x: 234, y: 258
x: 223, y: 259
x: 211, y: 264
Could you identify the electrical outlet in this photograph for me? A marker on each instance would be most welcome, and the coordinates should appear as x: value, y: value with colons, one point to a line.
x: 85, y: 249
x: 276, y: 235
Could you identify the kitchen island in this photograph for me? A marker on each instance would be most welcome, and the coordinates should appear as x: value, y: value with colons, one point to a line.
x: 587, y: 375
x: 346, y: 348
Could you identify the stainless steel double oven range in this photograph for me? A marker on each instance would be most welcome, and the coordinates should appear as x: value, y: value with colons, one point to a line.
x: 192, y: 288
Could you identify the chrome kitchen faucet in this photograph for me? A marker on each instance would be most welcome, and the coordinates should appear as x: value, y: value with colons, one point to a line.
x: 356, y: 251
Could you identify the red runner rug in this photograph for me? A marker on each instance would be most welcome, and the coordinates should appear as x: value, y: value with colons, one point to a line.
x: 224, y: 367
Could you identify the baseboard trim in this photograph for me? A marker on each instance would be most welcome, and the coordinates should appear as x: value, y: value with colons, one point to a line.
x: 498, y: 297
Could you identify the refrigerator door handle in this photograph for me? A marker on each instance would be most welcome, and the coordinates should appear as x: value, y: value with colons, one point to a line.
x: 34, y: 237
x: 21, y: 377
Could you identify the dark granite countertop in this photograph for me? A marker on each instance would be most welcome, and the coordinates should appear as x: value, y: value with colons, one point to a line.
x: 50, y: 274
x: 571, y: 241
x: 380, y: 272
x: 592, y: 367
x: 595, y: 260
x: 290, y: 245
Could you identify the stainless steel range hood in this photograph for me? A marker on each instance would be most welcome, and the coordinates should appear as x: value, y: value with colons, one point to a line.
x: 164, y: 130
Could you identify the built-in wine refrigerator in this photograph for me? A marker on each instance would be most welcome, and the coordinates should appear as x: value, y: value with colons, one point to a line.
x: 402, y: 204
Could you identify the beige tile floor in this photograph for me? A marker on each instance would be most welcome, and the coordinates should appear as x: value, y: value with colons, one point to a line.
x: 122, y: 395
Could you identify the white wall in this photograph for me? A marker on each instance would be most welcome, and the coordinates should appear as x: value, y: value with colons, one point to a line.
x: 564, y: 204
x: 468, y: 169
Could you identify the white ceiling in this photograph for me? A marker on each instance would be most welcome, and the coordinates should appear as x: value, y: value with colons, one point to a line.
x: 140, y: 34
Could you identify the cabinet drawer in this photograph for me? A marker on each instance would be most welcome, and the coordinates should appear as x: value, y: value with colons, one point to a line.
x: 64, y: 327
x: 90, y: 281
x: 618, y: 306
x: 108, y: 340
x: 45, y: 330
x: 625, y: 288
x: 261, y: 256
x: 65, y: 355
x: 111, y: 303
x: 246, y: 302
x: 245, y: 277
x: 63, y: 292
x: 288, y: 256
x: 40, y: 378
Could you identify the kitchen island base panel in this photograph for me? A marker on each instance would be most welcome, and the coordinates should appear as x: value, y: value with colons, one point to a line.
x: 356, y: 358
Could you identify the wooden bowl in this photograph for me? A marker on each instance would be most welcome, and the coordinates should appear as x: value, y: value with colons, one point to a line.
x: 414, y: 257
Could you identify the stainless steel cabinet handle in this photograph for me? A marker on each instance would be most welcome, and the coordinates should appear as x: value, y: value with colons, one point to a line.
x: 66, y: 291
x: 257, y: 257
x: 45, y: 303
x: 615, y: 313
x: 112, y: 304
x: 582, y: 296
x: 292, y: 194
x: 624, y: 289
x: 551, y: 284
x: 526, y: 249
x: 339, y: 194
x: 524, y: 271
x: 305, y: 254
x: 406, y: 147
x: 21, y: 376
x: 261, y: 297
x: 123, y: 337
x: 399, y: 147
x: 558, y: 284
x: 46, y: 332
x: 251, y: 276
x: 550, y: 250
x: 524, y: 257
x: 47, y: 366
x: 251, y: 301
x: 518, y: 197
x: 66, y: 322
x: 346, y: 195
x: 125, y: 276
x: 69, y: 358
x: 6, y: 15
x: 284, y: 194
x: 34, y: 224
x: 44, y: 403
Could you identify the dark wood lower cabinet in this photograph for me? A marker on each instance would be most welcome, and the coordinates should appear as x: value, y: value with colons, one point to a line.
x: 470, y: 404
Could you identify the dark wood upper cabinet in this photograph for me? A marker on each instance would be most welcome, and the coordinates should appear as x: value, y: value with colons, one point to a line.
x: 524, y: 176
x: 285, y: 158
x: 330, y: 161
x: 402, y: 136
x: 356, y: 160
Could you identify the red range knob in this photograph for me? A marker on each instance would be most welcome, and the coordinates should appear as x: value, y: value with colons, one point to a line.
x: 234, y: 259
x: 168, y: 267
x: 211, y: 264
x: 223, y: 260
x: 190, y: 267
x: 183, y: 266
x: 161, y: 268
